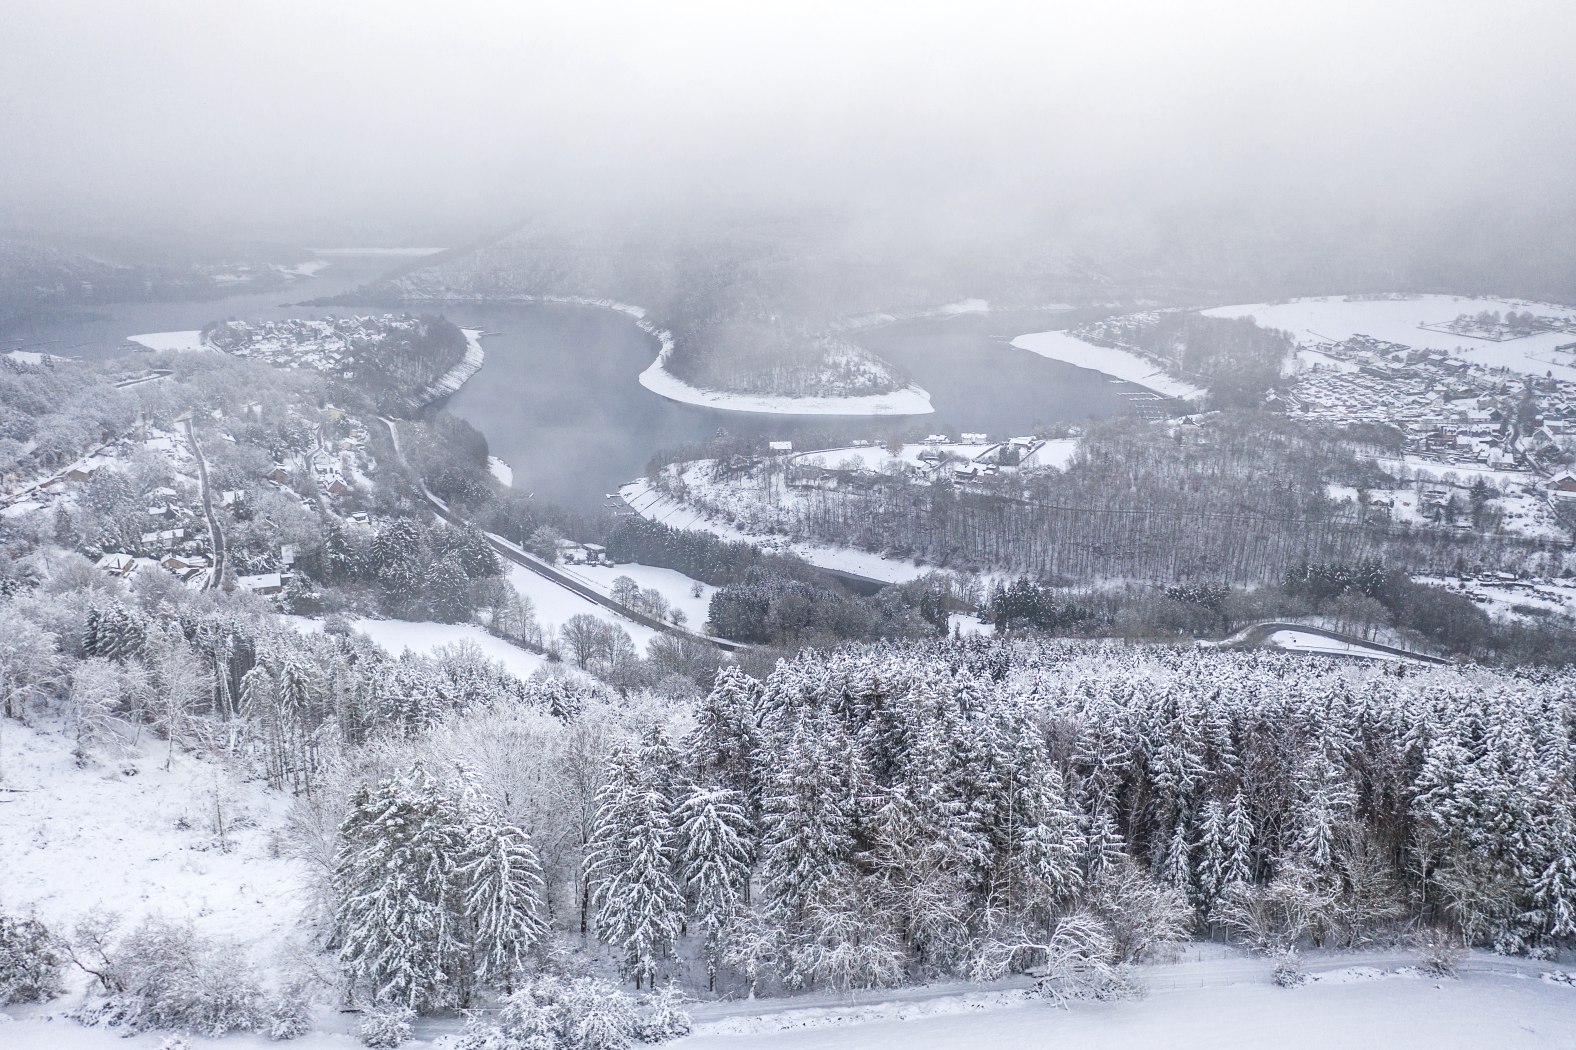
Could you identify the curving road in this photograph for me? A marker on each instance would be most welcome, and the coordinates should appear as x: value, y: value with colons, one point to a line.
x: 215, y: 533
x: 519, y: 557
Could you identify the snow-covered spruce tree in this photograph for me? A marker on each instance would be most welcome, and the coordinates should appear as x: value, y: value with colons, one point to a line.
x: 630, y: 868
x: 31, y: 961
x: 399, y: 913
x: 807, y: 823
x: 724, y: 748
x: 1210, y: 869
x: 715, y: 863
x: 1052, y: 844
x: 1327, y: 803
x: 502, y: 883
x: 1553, y: 910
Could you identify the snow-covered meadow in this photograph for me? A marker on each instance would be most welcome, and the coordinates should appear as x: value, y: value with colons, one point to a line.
x: 422, y: 638
x: 147, y: 830
x: 170, y: 342
x: 1211, y: 1005
x: 1399, y: 320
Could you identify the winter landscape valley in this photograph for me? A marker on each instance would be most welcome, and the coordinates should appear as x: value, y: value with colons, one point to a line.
x: 793, y: 526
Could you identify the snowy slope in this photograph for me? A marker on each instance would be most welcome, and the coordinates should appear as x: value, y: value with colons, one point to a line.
x: 1397, y: 320
x: 128, y: 835
x: 423, y: 637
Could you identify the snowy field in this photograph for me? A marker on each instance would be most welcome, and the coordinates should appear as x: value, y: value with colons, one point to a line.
x: 1506, y: 599
x: 500, y: 470
x: 670, y: 583
x: 128, y: 835
x: 909, y: 401
x: 1120, y: 364
x: 1350, y: 1007
x: 1308, y: 642
x: 173, y: 342
x: 555, y: 605
x: 423, y: 637
x: 1221, y: 1003
x: 1332, y: 320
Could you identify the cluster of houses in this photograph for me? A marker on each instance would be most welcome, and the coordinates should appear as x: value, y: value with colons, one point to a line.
x: 334, y: 463
x: 1450, y: 410
x: 327, y: 345
x: 974, y: 459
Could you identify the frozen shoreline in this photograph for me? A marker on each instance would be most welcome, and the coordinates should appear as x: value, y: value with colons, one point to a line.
x: 1119, y: 364
x: 455, y: 377
x: 909, y: 401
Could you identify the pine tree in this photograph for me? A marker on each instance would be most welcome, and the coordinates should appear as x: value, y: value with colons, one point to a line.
x: 1176, y: 867
x: 1051, y: 849
x: 1328, y: 802
x: 629, y: 868
x: 715, y: 863
x: 725, y: 746
x: 398, y: 912
x: 1105, y: 850
x: 503, y: 888
x: 1554, y: 890
x: 807, y: 834
x: 1239, y: 866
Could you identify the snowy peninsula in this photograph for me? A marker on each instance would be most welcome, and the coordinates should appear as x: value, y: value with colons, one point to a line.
x: 1119, y: 364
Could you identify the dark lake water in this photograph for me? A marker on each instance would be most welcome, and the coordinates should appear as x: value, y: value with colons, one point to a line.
x: 560, y: 401
x: 99, y: 332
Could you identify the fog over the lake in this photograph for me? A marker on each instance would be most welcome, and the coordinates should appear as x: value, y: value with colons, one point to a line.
x: 444, y: 121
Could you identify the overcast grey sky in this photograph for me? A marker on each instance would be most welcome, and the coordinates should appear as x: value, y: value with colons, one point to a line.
x: 288, y: 113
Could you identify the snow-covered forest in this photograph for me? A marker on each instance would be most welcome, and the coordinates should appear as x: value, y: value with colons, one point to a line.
x: 862, y: 818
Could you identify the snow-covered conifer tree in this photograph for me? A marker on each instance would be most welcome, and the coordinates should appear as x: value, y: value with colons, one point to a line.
x: 630, y: 869
x: 715, y: 864
x: 502, y: 881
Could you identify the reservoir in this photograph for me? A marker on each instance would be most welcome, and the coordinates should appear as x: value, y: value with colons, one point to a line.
x: 560, y: 401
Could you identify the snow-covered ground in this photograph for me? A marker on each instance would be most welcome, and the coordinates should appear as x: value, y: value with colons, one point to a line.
x: 1308, y: 642
x: 26, y: 357
x: 670, y: 583
x: 310, y: 268
x: 392, y: 252
x: 500, y: 470
x: 1220, y: 1003
x: 652, y: 504
x: 874, y: 457
x: 1213, y: 1005
x: 554, y: 605
x: 423, y: 637
x: 126, y: 834
x: 909, y: 401
x: 1504, y: 598
x: 1334, y: 319
x: 455, y: 377
x: 175, y: 342
x: 1120, y: 364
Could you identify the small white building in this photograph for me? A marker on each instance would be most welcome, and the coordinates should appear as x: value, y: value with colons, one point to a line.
x: 263, y: 583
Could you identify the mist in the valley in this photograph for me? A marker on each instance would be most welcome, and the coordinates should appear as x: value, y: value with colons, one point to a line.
x: 1113, y: 129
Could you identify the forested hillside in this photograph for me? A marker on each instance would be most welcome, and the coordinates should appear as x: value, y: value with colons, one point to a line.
x: 868, y: 817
